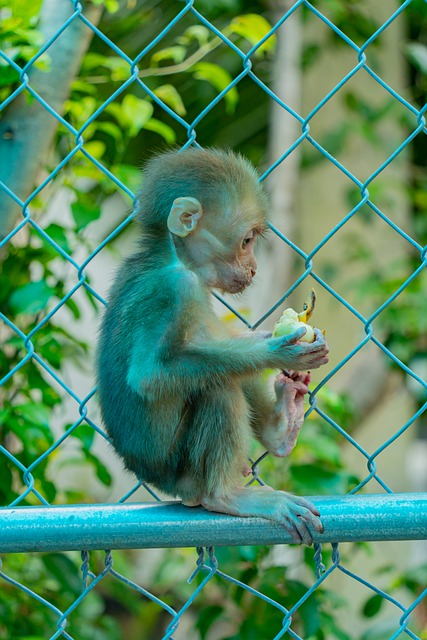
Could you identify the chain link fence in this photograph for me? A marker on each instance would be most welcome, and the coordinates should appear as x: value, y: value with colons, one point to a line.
x: 49, y: 527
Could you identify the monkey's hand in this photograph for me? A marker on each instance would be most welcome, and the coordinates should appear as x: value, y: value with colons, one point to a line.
x: 289, y: 353
x: 279, y: 436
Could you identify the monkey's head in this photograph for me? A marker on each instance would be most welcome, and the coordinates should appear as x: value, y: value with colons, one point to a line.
x: 214, y: 207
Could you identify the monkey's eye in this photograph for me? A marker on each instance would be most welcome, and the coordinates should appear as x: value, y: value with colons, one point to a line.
x: 247, y: 239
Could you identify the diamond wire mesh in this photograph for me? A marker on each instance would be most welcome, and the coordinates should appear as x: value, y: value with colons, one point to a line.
x: 207, y: 563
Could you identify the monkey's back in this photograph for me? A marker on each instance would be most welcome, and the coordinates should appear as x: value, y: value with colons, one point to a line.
x: 146, y: 431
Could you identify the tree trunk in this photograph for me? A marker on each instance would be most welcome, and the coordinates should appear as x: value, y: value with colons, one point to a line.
x: 283, y: 181
x: 27, y: 129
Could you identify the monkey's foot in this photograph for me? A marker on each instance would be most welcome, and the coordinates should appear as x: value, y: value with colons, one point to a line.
x: 280, y: 435
x: 296, y: 514
x: 191, y: 503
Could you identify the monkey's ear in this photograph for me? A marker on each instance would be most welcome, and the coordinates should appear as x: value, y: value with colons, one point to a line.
x: 184, y: 215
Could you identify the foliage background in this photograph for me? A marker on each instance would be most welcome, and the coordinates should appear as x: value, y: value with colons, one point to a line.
x: 187, y: 70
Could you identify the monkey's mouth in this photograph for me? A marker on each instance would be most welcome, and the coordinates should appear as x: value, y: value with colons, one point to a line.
x: 237, y: 286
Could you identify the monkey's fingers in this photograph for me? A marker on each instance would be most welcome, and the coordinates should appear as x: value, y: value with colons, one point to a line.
x: 306, y: 378
x: 319, y: 335
x: 315, y: 354
x: 302, y: 530
x: 300, y: 376
x: 287, y: 390
x: 320, y: 338
x: 300, y: 387
x: 292, y: 338
x: 303, y: 502
x: 300, y: 520
x: 296, y: 531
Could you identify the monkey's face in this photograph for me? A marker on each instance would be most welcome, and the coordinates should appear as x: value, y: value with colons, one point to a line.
x: 238, y: 269
x: 217, y: 244
x: 223, y: 261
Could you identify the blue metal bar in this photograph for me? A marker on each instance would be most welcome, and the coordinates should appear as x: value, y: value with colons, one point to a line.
x: 148, y: 525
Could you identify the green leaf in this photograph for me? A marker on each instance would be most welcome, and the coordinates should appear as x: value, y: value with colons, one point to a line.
x: 164, y: 130
x: 85, y: 433
x: 311, y: 615
x: 96, y: 148
x: 120, y: 69
x: 25, y: 10
x: 84, y: 211
x: 117, y: 112
x: 323, y: 448
x: 314, y: 478
x: 35, y: 439
x: 36, y: 381
x: 112, y: 6
x: 169, y: 94
x: 81, y: 109
x: 31, y: 297
x: 64, y: 571
x: 129, y: 175
x: 60, y: 331
x: 417, y: 54
x: 4, y: 415
x: 6, y: 483
x: 111, y: 129
x: 34, y: 413
x: 94, y: 61
x: 8, y: 75
x: 51, y: 350
x: 220, y: 79
x: 372, y: 606
x: 83, y: 87
x: 254, y: 28
x: 58, y: 235
x: 100, y: 469
x: 414, y: 579
x: 10, y: 25
x: 207, y: 617
x: 87, y: 170
x: 197, y: 32
x: 176, y: 53
x: 73, y: 307
x: 137, y: 113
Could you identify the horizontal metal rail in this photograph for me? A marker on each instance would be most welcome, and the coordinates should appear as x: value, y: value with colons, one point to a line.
x: 170, y: 524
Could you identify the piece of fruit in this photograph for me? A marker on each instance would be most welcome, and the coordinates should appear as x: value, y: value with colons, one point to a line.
x: 290, y: 321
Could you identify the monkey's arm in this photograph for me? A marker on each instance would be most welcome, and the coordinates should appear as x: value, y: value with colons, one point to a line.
x: 172, y: 346
x: 248, y: 354
x: 192, y: 364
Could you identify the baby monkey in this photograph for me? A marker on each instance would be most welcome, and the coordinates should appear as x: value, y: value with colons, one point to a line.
x: 181, y: 396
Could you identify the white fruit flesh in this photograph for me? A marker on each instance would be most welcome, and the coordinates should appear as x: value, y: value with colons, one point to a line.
x: 289, y: 323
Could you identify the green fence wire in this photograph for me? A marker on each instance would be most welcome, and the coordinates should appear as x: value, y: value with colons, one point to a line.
x: 27, y: 528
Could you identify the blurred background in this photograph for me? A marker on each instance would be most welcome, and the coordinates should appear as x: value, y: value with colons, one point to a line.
x: 76, y: 174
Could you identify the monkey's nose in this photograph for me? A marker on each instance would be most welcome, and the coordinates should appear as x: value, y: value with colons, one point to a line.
x: 253, y: 272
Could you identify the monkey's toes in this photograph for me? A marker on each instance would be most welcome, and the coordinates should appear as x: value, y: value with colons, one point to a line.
x: 301, y: 519
x: 300, y: 528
